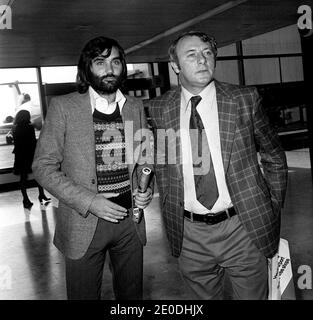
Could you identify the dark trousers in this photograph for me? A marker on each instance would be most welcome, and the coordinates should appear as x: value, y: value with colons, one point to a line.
x: 210, y: 251
x: 84, y: 276
x: 23, y: 186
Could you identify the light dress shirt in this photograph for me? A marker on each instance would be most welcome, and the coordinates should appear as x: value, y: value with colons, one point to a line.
x: 102, y: 104
x: 207, y: 109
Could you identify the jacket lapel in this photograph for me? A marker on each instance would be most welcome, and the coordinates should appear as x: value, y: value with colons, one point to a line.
x: 85, y: 120
x: 227, y: 112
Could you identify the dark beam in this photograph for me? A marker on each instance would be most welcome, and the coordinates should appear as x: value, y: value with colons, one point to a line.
x: 307, y: 51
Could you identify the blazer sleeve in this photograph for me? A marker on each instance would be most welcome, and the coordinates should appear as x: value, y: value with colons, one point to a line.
x: 48, y: 159
x: 273, y: 158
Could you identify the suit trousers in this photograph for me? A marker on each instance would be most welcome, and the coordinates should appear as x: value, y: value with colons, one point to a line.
x: 84, y: 275
x: 210, y: 252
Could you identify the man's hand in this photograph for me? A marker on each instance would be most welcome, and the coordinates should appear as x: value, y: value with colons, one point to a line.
x: 142, y: 199
x: 106, y: 209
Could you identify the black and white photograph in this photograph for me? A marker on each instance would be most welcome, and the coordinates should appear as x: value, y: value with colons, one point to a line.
x: 156, y: 154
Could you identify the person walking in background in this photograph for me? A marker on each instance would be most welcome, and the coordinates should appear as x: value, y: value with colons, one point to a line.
x: 85, y: 157
x: 221, y: 213
x: 34, y: 110
x: 24, y: 104
x: 24, y: 140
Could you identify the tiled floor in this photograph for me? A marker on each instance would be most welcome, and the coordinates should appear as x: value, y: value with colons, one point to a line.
x: 32, y: 268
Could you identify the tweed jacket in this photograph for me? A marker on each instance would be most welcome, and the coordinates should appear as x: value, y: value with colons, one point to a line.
x: 257, y: 197
x: 65, y: 165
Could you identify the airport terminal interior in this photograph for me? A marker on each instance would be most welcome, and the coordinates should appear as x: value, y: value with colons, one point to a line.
x: 268, y: 51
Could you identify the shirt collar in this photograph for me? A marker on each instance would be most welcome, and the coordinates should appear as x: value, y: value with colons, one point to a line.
x: 206, y: 93
x: 119, y: 98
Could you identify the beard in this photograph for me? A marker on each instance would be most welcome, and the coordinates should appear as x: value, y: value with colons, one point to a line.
x: 103, y: 86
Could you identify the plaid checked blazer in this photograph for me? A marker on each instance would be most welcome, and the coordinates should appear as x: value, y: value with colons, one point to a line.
x: 257, y: 197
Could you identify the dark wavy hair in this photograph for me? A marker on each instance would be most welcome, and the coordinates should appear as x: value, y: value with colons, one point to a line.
x: 203, y: 36
x: 93, y: 49
x: 22, y: 118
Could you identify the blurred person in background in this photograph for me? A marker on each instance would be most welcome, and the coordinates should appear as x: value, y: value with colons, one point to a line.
x: 24, y: 148
x: 34, y: 110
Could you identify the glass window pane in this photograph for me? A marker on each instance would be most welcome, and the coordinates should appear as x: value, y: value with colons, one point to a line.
x: 17, y: 86
x: 20, y: 74
x: 138, y: 70
x: 281, y: 41
x: 227, y: 71
x: 291, y: 69
x: 59, y: 74
x: 229, y: 50
x: 260, y: 71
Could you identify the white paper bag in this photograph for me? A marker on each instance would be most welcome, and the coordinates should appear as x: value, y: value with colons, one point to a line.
x: 280, y: 274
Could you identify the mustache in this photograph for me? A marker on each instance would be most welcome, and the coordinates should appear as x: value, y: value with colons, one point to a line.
x: 108, y: 76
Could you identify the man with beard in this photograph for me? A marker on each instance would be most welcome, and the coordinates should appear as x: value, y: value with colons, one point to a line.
x: 85, y: 158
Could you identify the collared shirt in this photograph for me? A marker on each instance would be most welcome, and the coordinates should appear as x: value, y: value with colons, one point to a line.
x: 102, y: 104
x: 207, y: 109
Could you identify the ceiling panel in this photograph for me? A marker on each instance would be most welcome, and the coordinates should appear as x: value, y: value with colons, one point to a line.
x: 53, y: 32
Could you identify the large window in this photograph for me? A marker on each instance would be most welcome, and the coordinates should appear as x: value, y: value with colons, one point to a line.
x: 281, y: 61
x: 282, y: 41
x: 227, y: 71
x: 16, y: 86
x: 291, y: 69
x: 262, y: 71
x: 58, y: 74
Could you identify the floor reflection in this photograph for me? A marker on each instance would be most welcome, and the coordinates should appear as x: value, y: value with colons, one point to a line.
x: 38, y: 257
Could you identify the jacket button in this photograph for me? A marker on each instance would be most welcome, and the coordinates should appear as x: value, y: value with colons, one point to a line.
x: 93, y: 181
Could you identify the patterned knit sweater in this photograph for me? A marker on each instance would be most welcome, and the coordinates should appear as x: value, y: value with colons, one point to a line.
x: 112, y: 171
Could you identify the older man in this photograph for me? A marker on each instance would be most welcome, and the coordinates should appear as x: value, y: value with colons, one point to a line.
x: 221, y: 213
